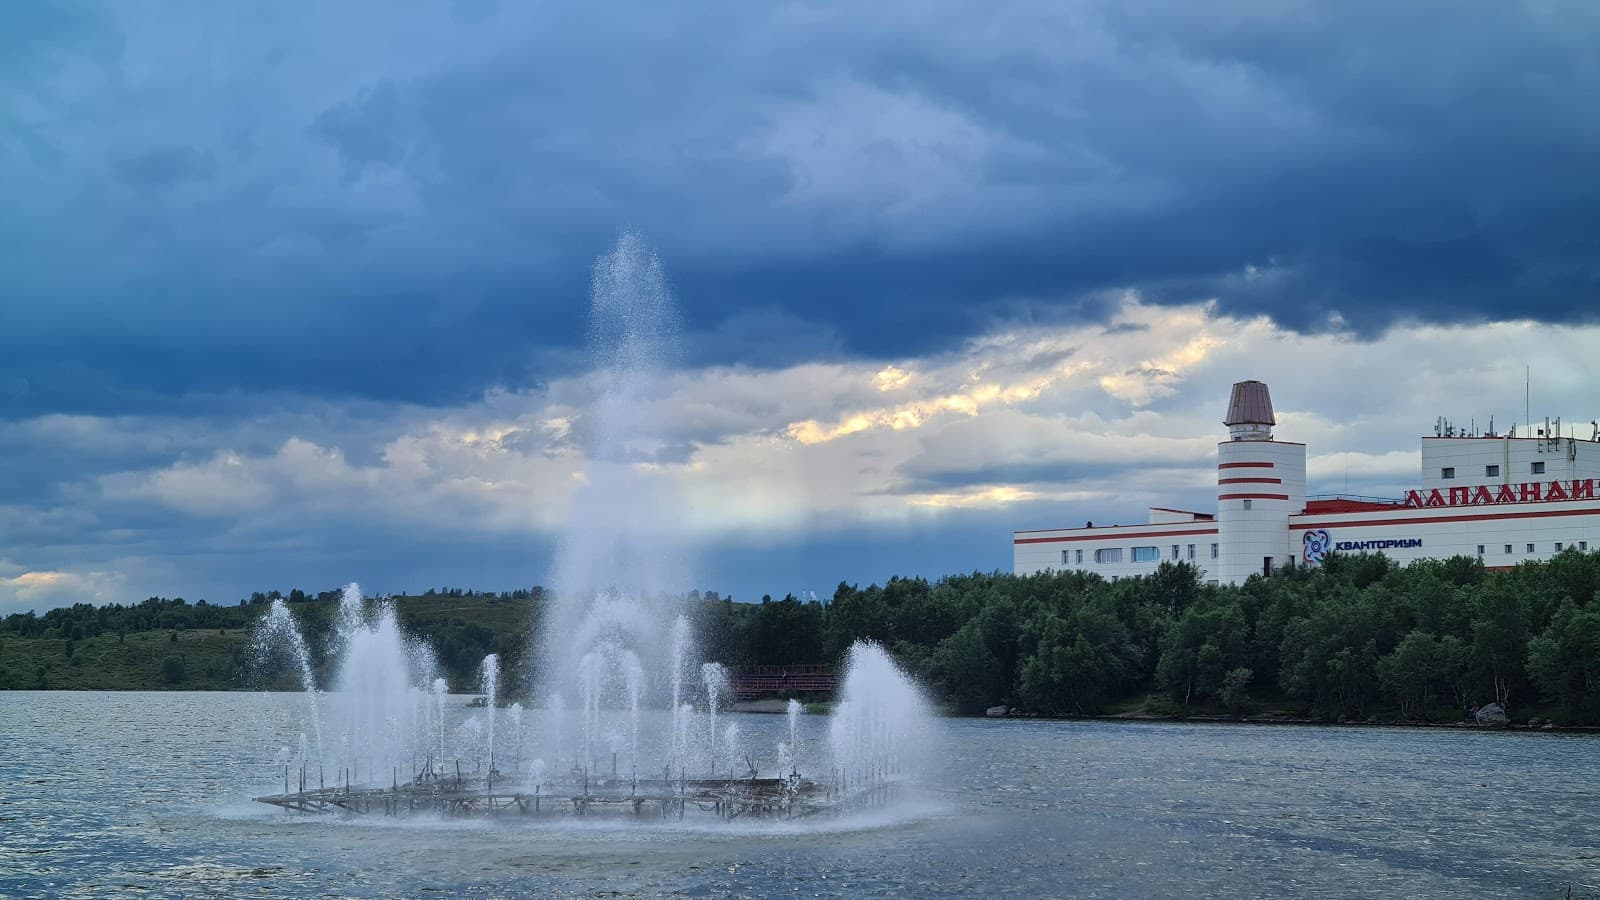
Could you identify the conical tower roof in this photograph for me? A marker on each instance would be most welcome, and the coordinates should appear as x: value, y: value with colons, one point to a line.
x: 1250, y: 404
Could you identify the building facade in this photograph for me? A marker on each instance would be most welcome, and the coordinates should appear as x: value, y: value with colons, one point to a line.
x: 1499, y: 498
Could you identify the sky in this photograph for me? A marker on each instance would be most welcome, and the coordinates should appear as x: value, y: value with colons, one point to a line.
x: 296, y: 294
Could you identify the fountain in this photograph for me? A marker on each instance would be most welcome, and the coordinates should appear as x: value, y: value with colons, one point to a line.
x: 614, y: 657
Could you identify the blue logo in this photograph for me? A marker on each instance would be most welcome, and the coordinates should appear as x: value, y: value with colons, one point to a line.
x: 1317, y: 544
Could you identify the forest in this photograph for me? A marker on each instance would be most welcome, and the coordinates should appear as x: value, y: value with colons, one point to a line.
x: 1358, y: 638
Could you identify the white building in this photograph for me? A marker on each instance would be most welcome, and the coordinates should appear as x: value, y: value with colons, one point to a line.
x: 1500, y: 498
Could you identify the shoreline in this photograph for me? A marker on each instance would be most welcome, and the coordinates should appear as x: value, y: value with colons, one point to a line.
x: 1318, y: 723
x: 779, y: 707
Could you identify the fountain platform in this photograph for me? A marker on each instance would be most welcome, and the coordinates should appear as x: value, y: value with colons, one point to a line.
x: 581, y: 795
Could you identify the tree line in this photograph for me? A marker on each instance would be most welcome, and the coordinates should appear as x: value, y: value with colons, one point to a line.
x: 1357, y: 637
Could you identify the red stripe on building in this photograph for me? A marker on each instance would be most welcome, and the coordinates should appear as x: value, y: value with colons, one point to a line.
x: 1252, y: 496
x: 1107, y: 537
x: 1247, y: 465
x: 1249, y: 481
x: 1426, y: 520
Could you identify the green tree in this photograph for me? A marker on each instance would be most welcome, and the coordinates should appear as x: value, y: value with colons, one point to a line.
x: 1077, y: 661
x: 1500, y: 638
x: 1419, y: 669
x: 1200, y: 648
x: 1564, y: 660
x: 966, y: 667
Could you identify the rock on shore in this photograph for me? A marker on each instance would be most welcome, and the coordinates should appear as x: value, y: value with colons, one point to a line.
x: 1493, y: 715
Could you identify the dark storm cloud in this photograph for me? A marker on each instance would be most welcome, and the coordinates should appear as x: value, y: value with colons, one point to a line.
x: 403, y: 203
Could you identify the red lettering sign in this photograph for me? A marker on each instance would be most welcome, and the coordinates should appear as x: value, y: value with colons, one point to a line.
x: 1486, y: 495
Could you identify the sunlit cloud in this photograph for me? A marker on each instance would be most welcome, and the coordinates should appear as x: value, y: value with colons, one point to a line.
x: 1043, y: 424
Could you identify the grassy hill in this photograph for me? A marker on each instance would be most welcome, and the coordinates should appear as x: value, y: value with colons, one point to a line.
x: 208, y: 661
x: 462, y: 630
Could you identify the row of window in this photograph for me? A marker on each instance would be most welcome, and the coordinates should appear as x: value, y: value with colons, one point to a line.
x: 1137, y: 554
x: 1106, y: 555
x: 1560, y: 546
x: 1492, y: 471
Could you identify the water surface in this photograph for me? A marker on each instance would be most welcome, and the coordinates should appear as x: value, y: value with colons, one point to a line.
x: 149, y: 792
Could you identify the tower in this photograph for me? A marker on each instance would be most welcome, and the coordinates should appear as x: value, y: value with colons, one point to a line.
x: 1260, y: 483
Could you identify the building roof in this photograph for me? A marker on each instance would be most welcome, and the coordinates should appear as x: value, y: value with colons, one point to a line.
x: 1348, y: 505
x: 1250, y: 404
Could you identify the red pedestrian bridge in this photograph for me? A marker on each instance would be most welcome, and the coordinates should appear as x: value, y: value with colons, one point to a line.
x: 751, y: 682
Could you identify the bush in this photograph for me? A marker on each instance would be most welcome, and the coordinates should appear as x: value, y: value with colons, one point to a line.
x: 1235, y: 691
x: 174, y: 670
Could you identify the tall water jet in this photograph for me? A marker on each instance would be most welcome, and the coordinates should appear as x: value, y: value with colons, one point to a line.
x: 633, y: 681
x: 555, y: 716
x: 677, y: 662
x: 514, y: 717
x: 621, y: 546
x: 717, y: 687
x: 736, y: 762
x: 279, y: 630
x: 440, y: 691
x: 378, y: 664
x: 792, y: 712
x: 621, y: 540
x: 881, y: 728
x: 489, y: 683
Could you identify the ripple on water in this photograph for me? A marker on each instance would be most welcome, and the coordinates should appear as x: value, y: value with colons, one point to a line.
x: 1022, y: 808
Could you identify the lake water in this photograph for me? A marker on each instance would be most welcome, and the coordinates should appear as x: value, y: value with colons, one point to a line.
x: 137, y: 792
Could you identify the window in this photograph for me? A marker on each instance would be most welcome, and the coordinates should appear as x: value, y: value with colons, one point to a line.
x: 1112, y: 555
x: 1508, y: 548
x: 1447, y: 472
x: 1536, y: 468
x: 1146, y: 554
x: 1213, y: 551
x: 1266, y: 565
x: 1191, y: 551
x: 1584, y: 546
x: 1174, y: 552
x: 1480, y: 549
x: 1065, y: 554
x: 1247, y: 504
x: 1080, y: 557
x: 1530, y: 548
x: 1558, y: 546
x: 1491, y: 471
